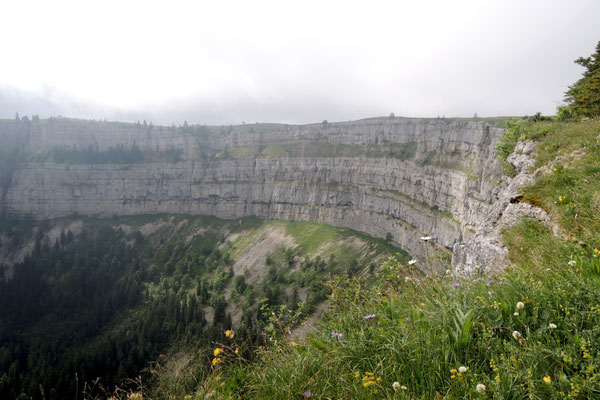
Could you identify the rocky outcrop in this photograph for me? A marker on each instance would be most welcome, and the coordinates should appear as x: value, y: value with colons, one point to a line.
x: 384, y: 176
x: 485, y: 252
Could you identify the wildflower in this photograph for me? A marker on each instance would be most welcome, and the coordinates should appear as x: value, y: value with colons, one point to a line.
x: 520, y: 305
x: 480, y: 388
x: 395, y: 386
x: 229, y: 333
x: 462, y: 369
x: 596, y: 250
x: 209, y: 395
x: 403, y: 387
x: 572, y: 263
x: 455, y: 284
x: 337, y: 335
x: 370, y: 316
x: 216, y: 360
x: 307, y: 394
x: 552, y: 326
x: 448, y: 272
x: 357, y: 374
x: 479, y: 280
x: 516, y: 313
x: 516, y: 335
x: 217, y: 351
x: 547, y: 380
x: 237, y: 350
x: 501, y: 280
x: 411, y: 262
x: 425, y: 238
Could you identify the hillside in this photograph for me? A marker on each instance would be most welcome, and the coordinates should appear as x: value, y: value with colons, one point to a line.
x: 530, y: 331
x: 90, y: 302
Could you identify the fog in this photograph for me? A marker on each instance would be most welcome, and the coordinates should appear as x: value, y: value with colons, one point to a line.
x: 233, y: 61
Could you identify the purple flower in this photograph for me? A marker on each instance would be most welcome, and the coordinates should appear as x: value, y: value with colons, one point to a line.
x: 337, y: 335
x: 307, y: 394
x: 455, y: 284
x: 370, y: 316
x: 501, y: 281
x: 489, y: 283
x: 209, y: 395
x: 479, y: 280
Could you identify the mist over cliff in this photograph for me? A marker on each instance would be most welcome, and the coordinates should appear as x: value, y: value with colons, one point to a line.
x: 399, y: 178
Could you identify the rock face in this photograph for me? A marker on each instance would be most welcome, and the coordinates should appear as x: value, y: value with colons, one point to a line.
x: 485, y: 252
x: 383, y: 176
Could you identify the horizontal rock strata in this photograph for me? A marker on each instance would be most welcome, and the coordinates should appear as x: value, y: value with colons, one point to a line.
x: 398, y: 176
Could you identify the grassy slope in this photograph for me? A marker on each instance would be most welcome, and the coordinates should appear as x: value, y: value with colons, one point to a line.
x: 424, y: 330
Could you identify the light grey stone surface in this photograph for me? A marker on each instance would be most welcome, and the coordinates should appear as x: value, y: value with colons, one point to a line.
x: 446, y: 190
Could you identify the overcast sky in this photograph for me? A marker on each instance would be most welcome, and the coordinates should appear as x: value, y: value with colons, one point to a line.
x: 224, y: 62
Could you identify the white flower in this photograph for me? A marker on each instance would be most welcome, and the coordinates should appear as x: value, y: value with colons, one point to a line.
x: 411, y: 262
x: 425, y: 238
x: 520, y: 305
x: 516, y: 335
x: 552, y: 326
x: 395, y: 386
x: 572, y: 263
x: 480, y: 388
x: 403, y: 387
x: 462, y: 369
x: 516, y: 313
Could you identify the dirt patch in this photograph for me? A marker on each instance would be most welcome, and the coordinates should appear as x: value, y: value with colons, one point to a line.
x: 253, y: 258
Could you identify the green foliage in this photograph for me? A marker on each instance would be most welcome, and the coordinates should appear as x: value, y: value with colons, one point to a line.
x: 118, y: 155
x: 506, y: 144
x: 583, y: 97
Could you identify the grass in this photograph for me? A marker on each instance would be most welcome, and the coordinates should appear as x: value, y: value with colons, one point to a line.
x: 530, y: 332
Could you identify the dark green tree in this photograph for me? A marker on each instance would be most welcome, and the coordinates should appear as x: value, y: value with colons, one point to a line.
x: 583, y: 97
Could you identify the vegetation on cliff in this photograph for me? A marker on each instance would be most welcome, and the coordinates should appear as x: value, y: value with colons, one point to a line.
x: 528, y: 332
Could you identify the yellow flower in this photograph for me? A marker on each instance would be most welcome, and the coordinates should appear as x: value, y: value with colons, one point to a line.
x: 217, y: 351
x: 356, y: 374
x: 216, y: 360
x: 596, y: 250
x: 229, y: 333
x: 236, y: 350
x: 547, y: 380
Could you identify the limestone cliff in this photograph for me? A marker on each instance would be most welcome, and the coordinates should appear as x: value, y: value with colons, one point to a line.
x: 402, y: 176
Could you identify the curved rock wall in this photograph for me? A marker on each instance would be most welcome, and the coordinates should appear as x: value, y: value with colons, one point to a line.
x: 406, y: 177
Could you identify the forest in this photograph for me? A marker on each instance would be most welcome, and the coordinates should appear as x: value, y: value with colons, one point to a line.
x: 91, y: 310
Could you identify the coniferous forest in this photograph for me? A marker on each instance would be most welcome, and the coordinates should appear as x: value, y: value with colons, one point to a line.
x: 90, y: 311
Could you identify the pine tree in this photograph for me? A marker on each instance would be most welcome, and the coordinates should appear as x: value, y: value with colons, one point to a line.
x: 583, y: 97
